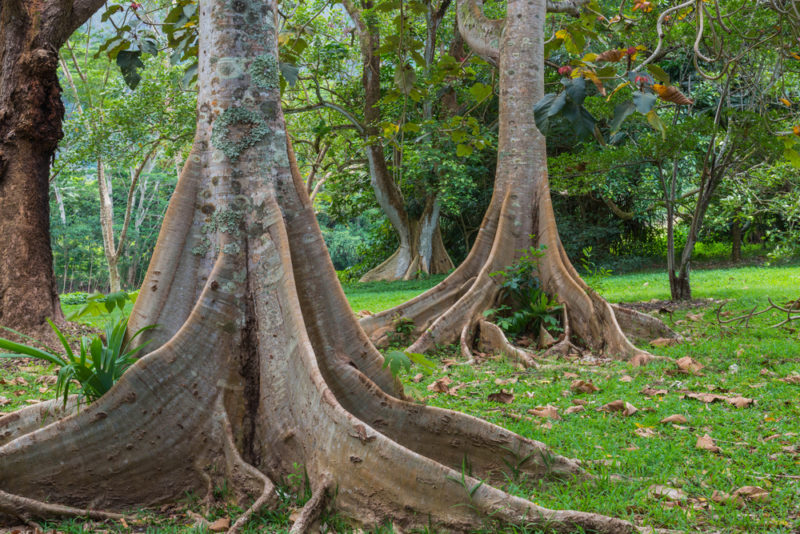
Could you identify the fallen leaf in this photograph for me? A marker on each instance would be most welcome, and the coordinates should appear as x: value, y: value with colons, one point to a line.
x: 363, y: 313
x: 706, y: 443
x: 688, y: 364
x: 32, y: 401
x: 570, y: 375
x: 694, y: 316
x: 752, y: 493
x: 721, y: 496
x: 645, y: 432
x: 766, y: 372
x: 44, y: 390
x: 665, y: 492
x: 626, y: 408
x: 19, y: 381
x: 547, y: 412
x: 663, y: 342
x: 791, y: 379
x: 220, y: 525
x: 583, y: 386
x: 501, y: 396
x: 448, y: 363
x: 650, y: 392
x: 738, y: 401
x: 417, y: 378
x: 4, y: 401
x: 677, y: 418
x: 440, y: 385
x: 499, y: 382
x: 580, y: 402
x: 626, y: 378
x: 574, y: 409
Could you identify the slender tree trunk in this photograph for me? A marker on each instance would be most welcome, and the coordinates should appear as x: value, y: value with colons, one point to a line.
x: 736, y: 240
x: 413, y: 255
x: 30, y: 127
x: 258, y: 364
x: 107, y: 227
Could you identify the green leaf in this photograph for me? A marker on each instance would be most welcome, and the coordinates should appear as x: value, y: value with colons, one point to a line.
x: 289, y: 72
x: 644, y: 102
x: 396, y: 360
x: 405, y: 78
x: 480, y: 91
x: 658, y: 73
x: 657, y: 124
x: 621, y: 112
x: 541, y: 112
x: 148, y: 46
x: 129, y: 63
x: 793, y: 156
x: 421, y: 360
x: 110, y: 11
x: 463, y: 151
x: 190, y: 76
x: 576, y: 90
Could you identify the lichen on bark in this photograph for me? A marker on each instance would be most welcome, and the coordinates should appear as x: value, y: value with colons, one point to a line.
x: 237, y: 129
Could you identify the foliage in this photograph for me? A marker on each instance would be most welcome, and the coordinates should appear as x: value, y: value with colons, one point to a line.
x: 396, y: 360
x: 98, y: 304
x: 524, y: 307
x: 99, y: 364
x: 594, y: 274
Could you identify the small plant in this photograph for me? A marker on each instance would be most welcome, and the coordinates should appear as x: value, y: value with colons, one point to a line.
x: 98, y: 365
x: 98, y: 304
x: 525, y: 306
x: 595, y: 276
x: 396, y: 360
x: 403, y: 331
x: 466, y: 471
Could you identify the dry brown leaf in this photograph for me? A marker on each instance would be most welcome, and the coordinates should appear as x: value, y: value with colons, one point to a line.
x: 580, y: 402
x: 791, y: 379
x: 706, y: 443
x: 688, y: 364
x: 499, y: 382
x: 48, y: 379
x: 363, y: 313
x: 670, y: 93
x: 448, y: 363
x: 626, y: 408
x: 570, y: 375
x: 752, y: 493
x: 440, y: 385
x: 4, y: 401
x: 665, y: 492
x: 32, y: 401
x: 694, y: 316
x: 721, y: 497
x: 766, y: 372
x: 645, y: 432
x: 574, y: 409
x: 739, y: 402
x: 417, y: 378
x: 650, y: 392
x: 583, y: 386
x: 663, y: 342
x: 547, y: 412
x: 502, y: 396
x: 611, y: 56
x: 220, y: 525
x: 677, y: 418
x: 19, y: 381
x: 626, y: 378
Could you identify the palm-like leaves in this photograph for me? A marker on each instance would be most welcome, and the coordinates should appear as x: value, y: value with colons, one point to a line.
x: 98, y: 365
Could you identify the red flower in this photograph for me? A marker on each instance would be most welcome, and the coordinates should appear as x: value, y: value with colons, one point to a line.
x: 640, y: 79
x: 565, y: 70
x: 135, y: 5
x: 631, y: 50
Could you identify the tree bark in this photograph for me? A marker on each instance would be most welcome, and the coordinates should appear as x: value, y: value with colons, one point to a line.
x: 259, y: 365
x: 736, y: 240
x: 30, y: 127
x: 520, y: 214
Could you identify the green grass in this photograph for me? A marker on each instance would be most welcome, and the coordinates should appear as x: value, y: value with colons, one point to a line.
x: 759, y: 444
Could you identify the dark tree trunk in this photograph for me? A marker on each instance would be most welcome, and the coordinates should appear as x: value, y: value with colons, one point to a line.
x: 679, y: 286
x: 30, y: 127
x: 736, y: 241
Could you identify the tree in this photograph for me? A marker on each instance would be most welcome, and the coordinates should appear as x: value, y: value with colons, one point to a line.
x: 520, y: 215
x: 259, y: 364
x: 31, y: 111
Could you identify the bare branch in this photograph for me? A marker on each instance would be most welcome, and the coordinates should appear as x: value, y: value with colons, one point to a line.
x: 481, y: 33
x: 570, y: 7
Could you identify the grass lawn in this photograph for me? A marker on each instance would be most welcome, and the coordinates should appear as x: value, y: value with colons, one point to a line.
x: 758, y: 444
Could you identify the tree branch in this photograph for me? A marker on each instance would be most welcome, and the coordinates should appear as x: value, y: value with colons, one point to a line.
x: 570, y: 7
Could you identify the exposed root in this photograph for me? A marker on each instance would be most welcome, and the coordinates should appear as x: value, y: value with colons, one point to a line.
x: 493, y: 339
x: 312, y: 509
x: 642, y: 326
x: 25, y: 508
x: 32, y: 418
x: 564, y: 346
x: 465, y: 341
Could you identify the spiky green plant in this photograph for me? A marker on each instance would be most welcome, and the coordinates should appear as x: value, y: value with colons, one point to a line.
x: 98, y: 365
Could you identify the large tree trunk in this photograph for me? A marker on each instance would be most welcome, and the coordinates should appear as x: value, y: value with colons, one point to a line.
x: 520, y: 214
x: 259, y: 365
x: 30, y: 127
